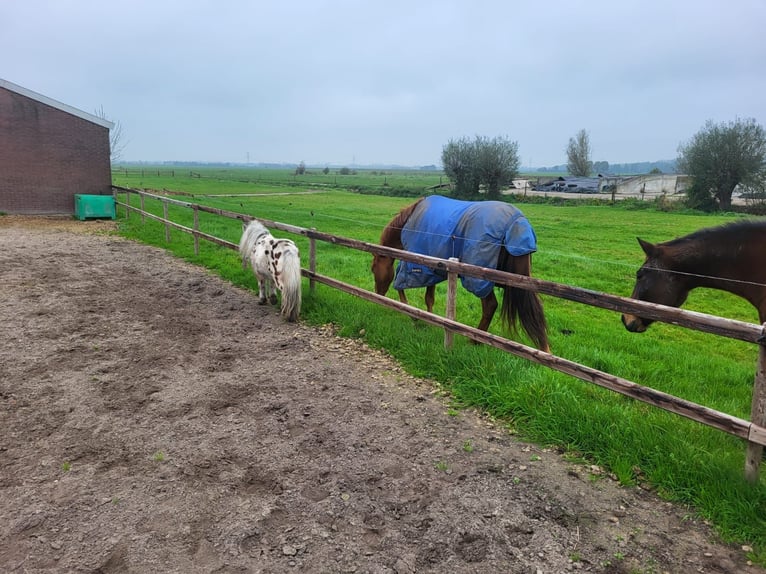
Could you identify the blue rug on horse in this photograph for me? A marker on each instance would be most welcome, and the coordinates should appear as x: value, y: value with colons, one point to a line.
x: 472, y: 231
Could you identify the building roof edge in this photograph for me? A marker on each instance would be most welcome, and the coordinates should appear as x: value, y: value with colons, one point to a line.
x: 55, y: 104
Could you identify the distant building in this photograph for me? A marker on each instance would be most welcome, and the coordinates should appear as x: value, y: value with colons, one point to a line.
x: 48, y: 153
x: 641, y: 186
x: 571, y: 184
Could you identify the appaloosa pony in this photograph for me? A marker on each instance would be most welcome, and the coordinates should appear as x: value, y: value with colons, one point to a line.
x: 275, y: 262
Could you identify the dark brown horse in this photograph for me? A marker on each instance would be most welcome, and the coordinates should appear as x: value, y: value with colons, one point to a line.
x: 729, y: 257
x: 520, y: 304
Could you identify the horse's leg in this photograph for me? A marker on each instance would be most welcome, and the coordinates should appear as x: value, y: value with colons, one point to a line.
x: 488, y: 308
x: 429, y: 298
x: 262, y: 286
x: 430, y: 290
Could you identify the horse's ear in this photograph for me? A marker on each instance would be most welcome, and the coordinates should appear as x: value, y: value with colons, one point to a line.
x: 648, y: 248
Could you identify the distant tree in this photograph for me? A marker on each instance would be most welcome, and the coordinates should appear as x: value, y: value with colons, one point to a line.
x: 655, y: 171
x: 458, y: 159
x: 344, y: 171
x: 301, y: 169
x: 601, y: 167
x: 718, y: 158
x: 497, y: 163
x: 117, y: 142
x: 578, y: 155
x: 326, y: 170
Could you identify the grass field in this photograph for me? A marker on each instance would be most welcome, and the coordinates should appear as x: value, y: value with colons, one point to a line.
x: 226, y: 180
x: 584, y: 245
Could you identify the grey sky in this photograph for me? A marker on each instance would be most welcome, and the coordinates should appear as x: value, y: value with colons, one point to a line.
x: 342, y: 82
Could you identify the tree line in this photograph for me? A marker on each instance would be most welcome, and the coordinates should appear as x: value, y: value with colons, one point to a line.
x: 719, y: 158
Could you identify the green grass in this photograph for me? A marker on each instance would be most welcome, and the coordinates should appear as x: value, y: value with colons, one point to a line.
x: 589, y: 246
x: 214, y: 180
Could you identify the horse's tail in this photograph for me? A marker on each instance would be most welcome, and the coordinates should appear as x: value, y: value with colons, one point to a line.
x: 522, y: 304
x: 290, y: 283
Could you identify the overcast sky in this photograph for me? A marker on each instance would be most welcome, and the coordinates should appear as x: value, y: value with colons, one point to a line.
x: 391, y: 82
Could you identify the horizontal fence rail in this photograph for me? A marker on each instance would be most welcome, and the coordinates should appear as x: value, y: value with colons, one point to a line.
x: 753, y: 431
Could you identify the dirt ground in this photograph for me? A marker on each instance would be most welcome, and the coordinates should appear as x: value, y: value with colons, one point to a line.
x: 156, y: 419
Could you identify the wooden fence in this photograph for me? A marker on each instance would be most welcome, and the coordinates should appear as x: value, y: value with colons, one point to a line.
x: 753, y: 431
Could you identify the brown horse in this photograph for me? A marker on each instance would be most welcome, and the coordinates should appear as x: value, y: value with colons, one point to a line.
x: 520, y: 304
x: 729, y: 257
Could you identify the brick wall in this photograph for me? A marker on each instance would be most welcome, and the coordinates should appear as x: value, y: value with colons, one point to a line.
x: 47, y: 155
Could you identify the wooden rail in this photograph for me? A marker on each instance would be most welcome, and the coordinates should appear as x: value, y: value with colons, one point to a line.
x: 753, y: 431
x: 727, y: 423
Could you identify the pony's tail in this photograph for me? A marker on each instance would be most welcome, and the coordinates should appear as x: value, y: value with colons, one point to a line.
x: 522, y: 305
x: 291, y: 284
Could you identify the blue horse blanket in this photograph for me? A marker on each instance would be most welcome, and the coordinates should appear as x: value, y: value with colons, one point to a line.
x: 472, y: 231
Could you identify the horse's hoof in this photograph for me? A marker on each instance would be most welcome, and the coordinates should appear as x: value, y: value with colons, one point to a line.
x: 273, y: 299
x: 262, y: 301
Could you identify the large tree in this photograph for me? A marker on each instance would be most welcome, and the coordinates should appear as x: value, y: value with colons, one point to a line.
x: 492, y: 163
x: 578, y: 155
x: 721, y: 156
x: 458, y: 159
x: 497, y: 163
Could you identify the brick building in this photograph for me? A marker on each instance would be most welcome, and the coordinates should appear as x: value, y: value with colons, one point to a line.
x: 48, y: 153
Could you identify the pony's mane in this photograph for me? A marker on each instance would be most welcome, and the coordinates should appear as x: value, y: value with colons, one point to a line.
x: 394, y: 227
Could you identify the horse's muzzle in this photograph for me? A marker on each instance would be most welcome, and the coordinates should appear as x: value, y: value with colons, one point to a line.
x: 634, y: 324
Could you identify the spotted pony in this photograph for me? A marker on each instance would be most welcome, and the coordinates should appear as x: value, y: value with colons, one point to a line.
x: 276, y: 264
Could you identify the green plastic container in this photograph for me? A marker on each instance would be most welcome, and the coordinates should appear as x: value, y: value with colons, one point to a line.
x: 94, y: 206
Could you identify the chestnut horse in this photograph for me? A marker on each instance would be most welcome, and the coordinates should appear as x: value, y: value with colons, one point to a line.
x: 729, y: 257
x: 487, y: 233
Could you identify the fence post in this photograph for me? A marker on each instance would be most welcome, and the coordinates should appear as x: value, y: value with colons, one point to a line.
x: 165, y: 216
x: 196, y: 229
x: 757, y: 416
x: 127, y: 204
x: 143, y: 217
x: 449, y: 312
x: 312, y: 259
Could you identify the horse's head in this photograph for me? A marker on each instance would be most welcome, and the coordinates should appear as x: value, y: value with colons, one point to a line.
x: 383, y: 271
x: 655, y: 283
